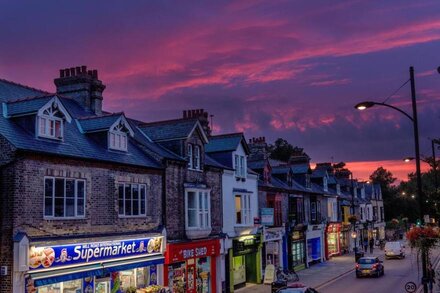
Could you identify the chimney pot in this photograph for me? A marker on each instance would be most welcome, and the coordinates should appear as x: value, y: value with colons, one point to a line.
x: 78, y: 70
x: 193, y: 113
x: 95, y: 73
x: 72, y: 71
x: 184, y: 114
x: 67, y: 72
x: 90, y: 72
x: 61, y: 72
x: 84, y: 69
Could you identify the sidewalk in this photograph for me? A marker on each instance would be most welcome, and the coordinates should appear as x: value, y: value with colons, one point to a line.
x: 318, y: 274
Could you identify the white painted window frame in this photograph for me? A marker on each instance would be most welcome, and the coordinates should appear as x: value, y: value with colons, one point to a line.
x: 201, y: 212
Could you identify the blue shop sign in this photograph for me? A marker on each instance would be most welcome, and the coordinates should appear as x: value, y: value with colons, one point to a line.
x: 266, y: 215
x: 51, y: 257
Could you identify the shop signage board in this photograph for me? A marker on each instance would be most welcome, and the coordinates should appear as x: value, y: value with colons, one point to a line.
x: 266, y: 216
x: 58, y: 256
x: 272, y: 235
x: 269, y: 274
x: 245, y: 245
x: 184, y: 251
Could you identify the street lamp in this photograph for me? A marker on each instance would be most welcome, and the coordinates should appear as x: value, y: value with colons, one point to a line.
x: 413, y: 118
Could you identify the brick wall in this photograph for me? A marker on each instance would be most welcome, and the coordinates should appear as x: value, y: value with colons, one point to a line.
x: 175, y: 177
x: 22, y: 200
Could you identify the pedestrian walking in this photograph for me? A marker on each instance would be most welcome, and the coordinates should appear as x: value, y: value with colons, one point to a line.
x: 365, y: 245
x: 371, y: 245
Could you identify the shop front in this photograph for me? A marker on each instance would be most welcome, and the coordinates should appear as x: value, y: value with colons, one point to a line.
x: 191, y: 267
x: 273, y: 246
x: 99, y: 266
x: 315, y: 241
x: 297, y: 248
x: 245, y: 261
x: 333, y: 239
x: 345, y: 238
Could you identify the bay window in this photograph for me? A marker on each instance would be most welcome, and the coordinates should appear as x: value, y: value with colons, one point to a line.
x: 198, y: 209
x: 64, y: 197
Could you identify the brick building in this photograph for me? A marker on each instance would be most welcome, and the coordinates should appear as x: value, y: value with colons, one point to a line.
x: 193, y: 203
x: 81, y: 191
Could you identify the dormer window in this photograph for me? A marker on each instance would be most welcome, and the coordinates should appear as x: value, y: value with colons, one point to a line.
x: 50, y: 120
x: 240, y: 166
x: 308, y: 182
x: 118, y: 135
x: 325, y: 185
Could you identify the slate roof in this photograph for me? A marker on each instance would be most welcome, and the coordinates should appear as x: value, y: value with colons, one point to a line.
x: 256, y: 165
x: 213, y: 163
x: 319, y: 173
x: 226, y: 143
x: 169, y: 130
x: 74, y: 144
x: 281, y: 169
x: 98, y: 123
x: 25, y: 106
x: 12, y: 91
x: 300, y: 168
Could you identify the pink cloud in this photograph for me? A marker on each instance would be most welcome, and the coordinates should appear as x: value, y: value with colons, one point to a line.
x: 331, y: 82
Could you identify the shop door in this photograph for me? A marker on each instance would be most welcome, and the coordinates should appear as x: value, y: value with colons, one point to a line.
x: 239, y: 269
x: 191, y: 277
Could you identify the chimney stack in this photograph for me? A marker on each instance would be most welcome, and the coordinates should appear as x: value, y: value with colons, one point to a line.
x: 201, y: 115
x: 83, y: 86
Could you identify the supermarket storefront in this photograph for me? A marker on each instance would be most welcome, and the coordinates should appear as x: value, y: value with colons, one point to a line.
x: 96, y: 266
x: 192, y: 266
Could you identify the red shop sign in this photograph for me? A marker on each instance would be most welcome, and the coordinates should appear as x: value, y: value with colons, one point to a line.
x: 183, y: 251
x: 333, y: 228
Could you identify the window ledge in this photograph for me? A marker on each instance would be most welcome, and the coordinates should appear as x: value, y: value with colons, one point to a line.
x: 132, y: 217
x: 62, y: 218
x: 196, y: 170
x: 196, y: 233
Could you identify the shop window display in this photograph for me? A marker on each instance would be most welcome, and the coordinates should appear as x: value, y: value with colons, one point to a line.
x: 64, y: 287
x: 176, y: 277
x: 203, y: 275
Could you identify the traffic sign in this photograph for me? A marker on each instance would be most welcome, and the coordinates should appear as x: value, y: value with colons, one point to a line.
x: 410, y: 287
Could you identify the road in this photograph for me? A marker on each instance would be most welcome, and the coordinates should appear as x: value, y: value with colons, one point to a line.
x: 397, y: 273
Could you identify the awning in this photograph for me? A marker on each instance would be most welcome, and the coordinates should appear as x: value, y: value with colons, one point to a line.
x: 68, y: 274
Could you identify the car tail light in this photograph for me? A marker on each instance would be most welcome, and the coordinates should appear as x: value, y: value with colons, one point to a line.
x: 375, y: 266
x: 357, y: 266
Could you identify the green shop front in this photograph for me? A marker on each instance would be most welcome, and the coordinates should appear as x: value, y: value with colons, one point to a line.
x: 244, y: 261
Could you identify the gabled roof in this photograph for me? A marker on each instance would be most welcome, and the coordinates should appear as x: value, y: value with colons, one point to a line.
x: 172, y: 129
x: 75, y: 144
x: 226, y: 143
x: 103, y: 123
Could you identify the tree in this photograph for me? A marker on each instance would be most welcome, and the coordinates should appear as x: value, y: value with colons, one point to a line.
x: 383, y: 177
x: 341, y: 171
x: 282, y: 150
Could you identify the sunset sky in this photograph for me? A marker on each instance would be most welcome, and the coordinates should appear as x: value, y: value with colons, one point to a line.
x: 291, y: 69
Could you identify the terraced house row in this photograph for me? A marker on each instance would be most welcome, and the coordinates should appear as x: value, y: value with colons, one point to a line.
x: 93, y: 201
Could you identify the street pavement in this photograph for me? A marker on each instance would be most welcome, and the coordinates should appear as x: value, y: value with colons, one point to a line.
x: 337, y: 275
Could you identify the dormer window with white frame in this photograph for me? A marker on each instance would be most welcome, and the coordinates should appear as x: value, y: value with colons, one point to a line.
x: 194, y: 155
x: 118, y: 135
x: 50, y: 120
x: 197, y: 157
x: 240, y: 166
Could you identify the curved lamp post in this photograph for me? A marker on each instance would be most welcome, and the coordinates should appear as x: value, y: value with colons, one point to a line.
x: 413, y: 118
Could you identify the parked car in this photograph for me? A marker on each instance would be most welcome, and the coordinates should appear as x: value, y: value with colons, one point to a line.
x: 394, y: 249
x: 296, y: 288
x: 369, y: 266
